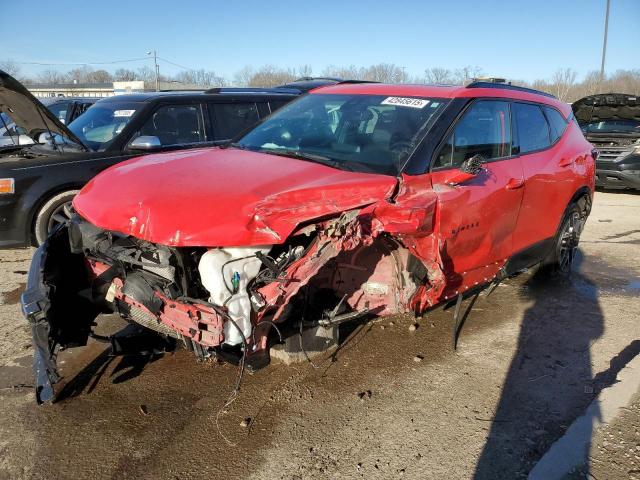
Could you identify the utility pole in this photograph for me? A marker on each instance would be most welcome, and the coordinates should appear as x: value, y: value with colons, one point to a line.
x: 157, y: 69
x: 604, y: 44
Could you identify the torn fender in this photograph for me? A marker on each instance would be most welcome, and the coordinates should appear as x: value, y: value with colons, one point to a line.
x: 56, y: 276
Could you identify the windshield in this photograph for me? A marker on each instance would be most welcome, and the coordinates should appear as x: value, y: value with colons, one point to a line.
x: 612, y: 126
x: 366, y: 133
x: 102, y: 122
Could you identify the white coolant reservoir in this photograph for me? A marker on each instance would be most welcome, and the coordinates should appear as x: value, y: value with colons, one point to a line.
x: 236, y: 266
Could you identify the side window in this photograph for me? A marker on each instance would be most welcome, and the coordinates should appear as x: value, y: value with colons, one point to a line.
x: 59, y: 109
x: 276, y: 104
x: 485, y: 129
x: 533, y: 130
x: 556, y: 122
x: 175, y: 125
x: 229, y: 119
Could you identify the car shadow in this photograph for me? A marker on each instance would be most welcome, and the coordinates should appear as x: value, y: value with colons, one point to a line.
x: 550, y: 380
x: 125, y: 359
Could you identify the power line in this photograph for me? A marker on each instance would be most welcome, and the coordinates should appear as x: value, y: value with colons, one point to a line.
x: 82, y: 63
x: 175, y: 64
x: 70, y: 64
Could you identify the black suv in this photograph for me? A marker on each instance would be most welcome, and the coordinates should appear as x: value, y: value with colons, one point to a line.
x: 38, y: 181
x: 611, y: 122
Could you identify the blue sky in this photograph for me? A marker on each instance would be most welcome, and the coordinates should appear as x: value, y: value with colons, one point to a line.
x: 516, y: 39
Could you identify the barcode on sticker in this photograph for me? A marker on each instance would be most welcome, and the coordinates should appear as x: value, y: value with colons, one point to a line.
x: 406, y: 102
x: 123, y: 113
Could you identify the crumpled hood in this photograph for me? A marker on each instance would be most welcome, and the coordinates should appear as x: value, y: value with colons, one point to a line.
x: 27, y: 111
x: 222, y: 197
x: 607, y: 106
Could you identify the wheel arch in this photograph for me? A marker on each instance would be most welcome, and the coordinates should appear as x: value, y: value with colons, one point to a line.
x: 583, y: 197
x: 42, y: 200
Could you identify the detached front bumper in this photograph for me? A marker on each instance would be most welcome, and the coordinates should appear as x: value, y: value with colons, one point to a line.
x: 36, y: 304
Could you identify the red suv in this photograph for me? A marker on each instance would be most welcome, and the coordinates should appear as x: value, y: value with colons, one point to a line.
x: 354, y: 200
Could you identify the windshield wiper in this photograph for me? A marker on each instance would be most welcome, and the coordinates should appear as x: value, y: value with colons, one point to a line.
x: 312, y: 157
x: 237, y: 145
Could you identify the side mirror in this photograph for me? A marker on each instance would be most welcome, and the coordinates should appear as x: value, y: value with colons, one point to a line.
x: 469, y: 169
x: 473, y: 165
x: 145, y: 142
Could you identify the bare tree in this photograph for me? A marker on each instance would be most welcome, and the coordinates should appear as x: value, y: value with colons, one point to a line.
x: 79, y: 75
x: 205, y: 78
x: 350, y: 72
x: 386, y: 73
x: 464, y: 75
x: 99, y: 76
x: 11, y: 67
x: 146, y: 74
x: 243, y: 76
x: 562, y: 81
x: 438, y: 76
x: 624, y: 81
x: 270, y: 76
x: 124, y: 75
x: 304, y: 71
x: 51, y: 76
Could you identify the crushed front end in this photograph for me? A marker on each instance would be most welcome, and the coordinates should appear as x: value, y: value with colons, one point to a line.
x: 216, y: 301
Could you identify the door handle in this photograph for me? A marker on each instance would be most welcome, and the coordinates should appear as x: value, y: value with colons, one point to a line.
x: 515, y: 183
x: 565, y: 162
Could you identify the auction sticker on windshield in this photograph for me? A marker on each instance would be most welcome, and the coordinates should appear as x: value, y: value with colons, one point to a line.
x: 405, y: 102
x: 123, y: 113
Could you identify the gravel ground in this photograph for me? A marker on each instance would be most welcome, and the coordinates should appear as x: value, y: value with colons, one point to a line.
x: 391, y: 403
x: 615, y: 451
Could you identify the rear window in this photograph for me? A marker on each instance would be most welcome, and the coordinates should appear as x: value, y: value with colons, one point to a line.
x: 533, y: 130
x: 557, y: 123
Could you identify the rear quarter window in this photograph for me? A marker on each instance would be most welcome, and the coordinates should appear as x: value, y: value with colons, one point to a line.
x: 533, y: 129
x: 557, y: 123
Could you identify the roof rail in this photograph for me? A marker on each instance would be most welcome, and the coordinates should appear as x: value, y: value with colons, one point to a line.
x: 506, y: 86
x: 309, y: 79
x: 343, y: 82
x: 253, y: 90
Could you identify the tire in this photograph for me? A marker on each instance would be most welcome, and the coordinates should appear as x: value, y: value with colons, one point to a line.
x: 56, y: 210
x: 565, y: 246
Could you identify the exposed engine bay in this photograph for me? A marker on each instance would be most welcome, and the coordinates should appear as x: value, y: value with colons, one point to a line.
x: 216, y: 301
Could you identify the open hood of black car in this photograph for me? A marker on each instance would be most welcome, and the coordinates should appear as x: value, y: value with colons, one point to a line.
x: 27, y: 111
x: 607, y: 106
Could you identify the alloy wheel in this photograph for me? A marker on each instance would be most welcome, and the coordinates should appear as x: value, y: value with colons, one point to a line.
x: 569, y: 239
x: 61, y: 214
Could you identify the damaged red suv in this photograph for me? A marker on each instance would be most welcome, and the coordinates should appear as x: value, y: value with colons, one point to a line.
x: 354, y: 200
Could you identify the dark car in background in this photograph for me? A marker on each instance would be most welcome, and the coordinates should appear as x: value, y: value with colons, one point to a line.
x: 38, y: 181
x: 611, y: 122
x: 67, y: 109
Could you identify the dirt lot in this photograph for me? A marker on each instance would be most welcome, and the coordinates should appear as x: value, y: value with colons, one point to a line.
x: 531, y: 357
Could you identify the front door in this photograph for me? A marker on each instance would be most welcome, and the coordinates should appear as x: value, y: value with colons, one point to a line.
x: 477, y: 218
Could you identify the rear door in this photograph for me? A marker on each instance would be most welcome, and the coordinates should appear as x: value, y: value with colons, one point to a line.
x: 477, y: 218
x: 228, y: 119
x: 547, y: 172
